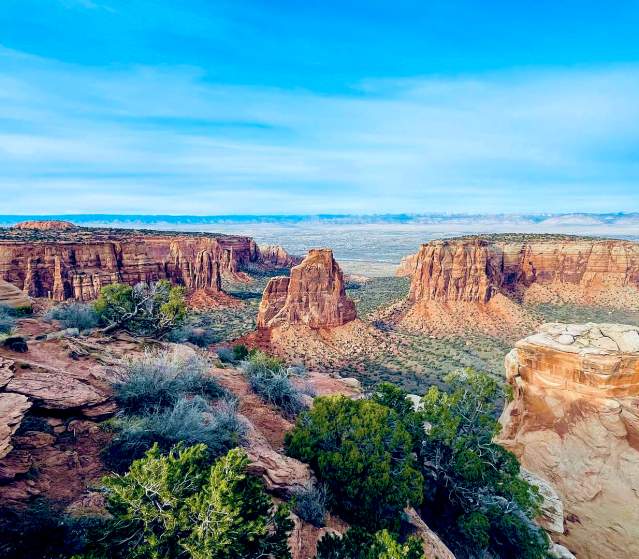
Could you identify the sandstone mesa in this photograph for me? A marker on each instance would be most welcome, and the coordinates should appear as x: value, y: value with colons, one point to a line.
x: 60, y: 261
x: 483, y: 280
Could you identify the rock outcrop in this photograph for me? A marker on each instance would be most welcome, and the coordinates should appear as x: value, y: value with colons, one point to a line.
x: 11, y: 296
x: 276, y: 257
x: 574, y: 422
x: 12, y: 410
x: 59, y: 262
x: 312, y: 296
x: 45, y: 225
x: 477, y: 269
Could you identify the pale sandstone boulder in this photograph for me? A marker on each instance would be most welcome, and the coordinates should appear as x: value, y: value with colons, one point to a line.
x: 574, y: 422
x: 53, y: 389
x: 12, y: 410
x: 11, y: 296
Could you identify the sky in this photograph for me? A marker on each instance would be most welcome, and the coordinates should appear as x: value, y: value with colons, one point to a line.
x: 210, y: 107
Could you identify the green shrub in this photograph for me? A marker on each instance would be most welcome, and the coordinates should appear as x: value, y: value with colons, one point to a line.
x: 7, y: 320
x: 240, y: 351
x: 190, y: 420
x: 176, y: 505
x: 74, y: 315
x: 359, y: 544
x: 363, y: 453
x: 147, y: 310
x: 474, y: 492
x: 309, y: 503
x: 158, y: 379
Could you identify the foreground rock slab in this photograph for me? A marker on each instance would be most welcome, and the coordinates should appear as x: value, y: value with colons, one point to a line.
x: 12, y: 410
x: 574, y: 422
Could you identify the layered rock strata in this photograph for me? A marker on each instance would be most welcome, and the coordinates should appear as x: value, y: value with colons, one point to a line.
x: 63, y: 263
x: 574, y: 422
x: 476, y: 269
x: 314, y: 295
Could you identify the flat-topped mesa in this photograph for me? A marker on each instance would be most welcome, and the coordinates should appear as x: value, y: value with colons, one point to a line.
x: 45, y: 225
x: 75, y: 263
x: 574, y: 422
x: 570, y: 268
x: 313, y: 295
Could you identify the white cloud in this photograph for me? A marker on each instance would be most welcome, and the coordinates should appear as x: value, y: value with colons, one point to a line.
x: 167, y: 140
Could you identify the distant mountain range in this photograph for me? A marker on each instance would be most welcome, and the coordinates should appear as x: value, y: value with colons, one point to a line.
x: 620, y: 219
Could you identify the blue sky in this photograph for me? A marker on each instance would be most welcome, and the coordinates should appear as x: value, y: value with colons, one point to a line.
x: 262, y: 107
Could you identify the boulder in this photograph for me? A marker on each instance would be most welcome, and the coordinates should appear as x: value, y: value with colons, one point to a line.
x: 12, y: 410
x: 54, y: 390
x: 12, y: 296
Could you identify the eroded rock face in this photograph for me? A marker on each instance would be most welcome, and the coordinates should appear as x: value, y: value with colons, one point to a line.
x: 407, y: 266
x: 574, y: 422
x: 313, y: 295
x: 476, y: 269
x: 62, y: 263
x: 276, y: 257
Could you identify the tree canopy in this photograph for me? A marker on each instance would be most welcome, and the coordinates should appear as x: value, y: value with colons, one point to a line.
x: 363, y: 452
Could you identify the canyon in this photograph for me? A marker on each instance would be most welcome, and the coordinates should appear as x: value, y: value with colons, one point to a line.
x: 60, y: 261
x: 573, y: 421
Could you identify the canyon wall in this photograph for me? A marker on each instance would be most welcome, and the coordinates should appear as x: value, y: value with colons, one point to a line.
x: 574, y: 422
x: 313, y: 295
x: 67, y: 262
x: 542, y: 269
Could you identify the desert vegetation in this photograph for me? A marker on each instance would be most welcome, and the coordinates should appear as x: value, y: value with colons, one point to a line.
x: 74, y: 315
x: 7, y: 320
x: 147, y: 310
x: 179, y: 504
x: 271, y: 381
x: 166, y: 398
x: 379, y: 455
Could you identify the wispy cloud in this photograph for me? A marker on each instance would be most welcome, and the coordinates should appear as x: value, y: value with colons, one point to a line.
x: 166, y: 139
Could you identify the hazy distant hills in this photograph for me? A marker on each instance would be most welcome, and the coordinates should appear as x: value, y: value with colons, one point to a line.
x: 535, y: 221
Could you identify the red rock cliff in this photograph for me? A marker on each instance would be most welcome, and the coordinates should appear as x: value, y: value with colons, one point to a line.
x: 475, y: 270
x: 313, y: 295
x: 74, y: 263
x: 574, y: 422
